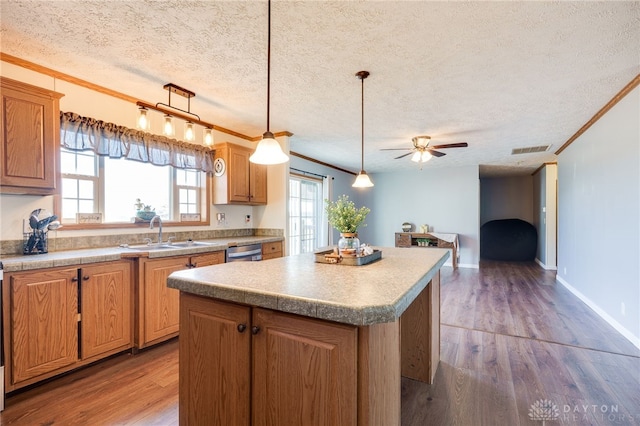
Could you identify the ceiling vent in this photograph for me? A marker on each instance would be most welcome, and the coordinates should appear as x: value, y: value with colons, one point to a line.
x: 530, y: 149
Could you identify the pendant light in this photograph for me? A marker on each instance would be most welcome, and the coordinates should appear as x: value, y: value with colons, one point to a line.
x: 268, y: 150
x: 362, y: 180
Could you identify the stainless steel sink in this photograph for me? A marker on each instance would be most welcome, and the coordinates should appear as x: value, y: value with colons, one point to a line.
x: 172, y: 245
x: 193, y: 244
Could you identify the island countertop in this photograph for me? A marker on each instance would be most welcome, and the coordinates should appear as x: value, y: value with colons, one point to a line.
x: 359, y: 295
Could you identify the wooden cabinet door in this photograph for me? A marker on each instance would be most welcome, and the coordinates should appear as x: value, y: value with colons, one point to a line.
x: 160, y: 305
x: 239, y: 184
x: 208, y: 259
x: 304, y: 371
x: 43, y: 322
x: 214, y: 362
x: 258, y: 183
x: 29, y: 138
x: 106, y: 308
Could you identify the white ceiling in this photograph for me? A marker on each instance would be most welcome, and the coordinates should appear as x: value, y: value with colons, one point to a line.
x: 498, y: 75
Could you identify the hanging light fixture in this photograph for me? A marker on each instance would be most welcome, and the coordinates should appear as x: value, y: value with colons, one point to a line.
x: 362, y: 180
x: 168, y: 124
x: 268, y: 150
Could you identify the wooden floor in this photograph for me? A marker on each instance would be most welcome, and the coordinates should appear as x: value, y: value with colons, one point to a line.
x: 511, y: 336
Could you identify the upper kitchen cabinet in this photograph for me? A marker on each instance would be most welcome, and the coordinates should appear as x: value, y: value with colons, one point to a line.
x: 236, y: 179
x: 30, y: 140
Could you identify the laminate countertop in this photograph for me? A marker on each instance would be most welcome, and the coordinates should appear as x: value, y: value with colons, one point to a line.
x: 378, y: 292
x: 107, y: 254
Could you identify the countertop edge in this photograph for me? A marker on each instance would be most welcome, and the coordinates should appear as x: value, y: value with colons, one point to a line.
x: 313, y: 308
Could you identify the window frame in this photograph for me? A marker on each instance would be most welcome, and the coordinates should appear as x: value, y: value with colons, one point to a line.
x: 203, y: 195
x: 318, y: 213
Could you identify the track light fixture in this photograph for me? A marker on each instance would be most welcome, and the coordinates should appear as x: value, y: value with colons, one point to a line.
x: 170, y: 111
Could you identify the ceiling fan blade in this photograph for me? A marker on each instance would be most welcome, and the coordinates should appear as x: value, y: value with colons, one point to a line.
x: 451, y: 145
x: 435, y: 153
x: 395, y: 149
x: 402, y: 156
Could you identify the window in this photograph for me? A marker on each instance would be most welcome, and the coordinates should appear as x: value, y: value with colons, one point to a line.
x: 305, y: 213
x: 99, y: 184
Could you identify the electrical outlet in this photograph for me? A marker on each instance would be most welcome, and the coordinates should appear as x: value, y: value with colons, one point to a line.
x: 247, y: 218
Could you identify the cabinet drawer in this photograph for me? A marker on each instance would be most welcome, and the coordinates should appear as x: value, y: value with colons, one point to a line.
x: 403, y: 240
x: 272, y: 250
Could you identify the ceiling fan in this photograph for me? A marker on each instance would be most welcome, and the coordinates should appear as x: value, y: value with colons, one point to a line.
x: 421, y: 150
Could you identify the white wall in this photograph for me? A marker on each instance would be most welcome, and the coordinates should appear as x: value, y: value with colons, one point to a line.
x: 506, y: 198
x: 545, y: 214
x: 15, y: 208
x: 599, y: 216
x: 447, y: 200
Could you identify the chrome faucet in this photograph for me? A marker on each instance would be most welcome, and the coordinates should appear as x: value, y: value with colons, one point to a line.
x: 159, y: 227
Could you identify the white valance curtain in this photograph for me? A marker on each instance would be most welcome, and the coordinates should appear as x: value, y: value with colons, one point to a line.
x: 84, y: 133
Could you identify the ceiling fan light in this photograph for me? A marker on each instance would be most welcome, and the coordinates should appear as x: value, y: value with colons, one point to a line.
x: 416, y: 157
x: 421, y: 141
x: 426, y: 156
x: 268, y: 151
x: 362, y: 180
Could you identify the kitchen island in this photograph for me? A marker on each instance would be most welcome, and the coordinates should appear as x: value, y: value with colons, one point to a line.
x: 292, y: 341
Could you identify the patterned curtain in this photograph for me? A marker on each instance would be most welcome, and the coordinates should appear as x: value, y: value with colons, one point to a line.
x: 84, y: 133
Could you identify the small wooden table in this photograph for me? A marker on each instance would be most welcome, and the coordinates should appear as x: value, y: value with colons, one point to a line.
x: 439, y: 240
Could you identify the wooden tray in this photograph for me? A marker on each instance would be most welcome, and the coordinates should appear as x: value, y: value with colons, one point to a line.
x: 321, y: 257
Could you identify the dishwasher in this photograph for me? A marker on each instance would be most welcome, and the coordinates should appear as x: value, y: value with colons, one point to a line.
x: 252, y: 252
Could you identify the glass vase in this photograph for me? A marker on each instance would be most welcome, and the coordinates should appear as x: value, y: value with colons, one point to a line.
x: 349, y: 244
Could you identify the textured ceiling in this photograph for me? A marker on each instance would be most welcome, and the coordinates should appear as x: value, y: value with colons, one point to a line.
x: 498, y: 75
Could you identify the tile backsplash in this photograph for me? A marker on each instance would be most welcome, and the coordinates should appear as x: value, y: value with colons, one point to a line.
x: 14, y: 247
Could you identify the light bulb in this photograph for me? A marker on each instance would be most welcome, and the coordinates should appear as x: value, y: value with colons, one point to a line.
x: 362, y: 180
x: 416, y: 157
x: 426, y: 156
x: 207, y: 136
x: 188, y: 131
x: 143, y: 119
x: 168, y: 125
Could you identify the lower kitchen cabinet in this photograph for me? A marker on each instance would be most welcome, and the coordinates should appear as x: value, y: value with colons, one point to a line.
x: 59, y: 319
x: 241, y: 365
x: 159, y: 305
x: 272, y: 250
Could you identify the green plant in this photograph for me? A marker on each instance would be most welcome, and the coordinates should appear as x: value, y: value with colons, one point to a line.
x: 343, y: 215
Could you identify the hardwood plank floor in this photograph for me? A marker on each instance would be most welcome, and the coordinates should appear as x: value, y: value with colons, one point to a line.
x: 511, y: 336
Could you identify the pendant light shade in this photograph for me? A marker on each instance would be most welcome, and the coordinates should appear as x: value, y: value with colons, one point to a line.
x: 207, y: 136
x: 189, y: 134
x: 143, y: 119
x: 168, y: 128
x: 268, y: 150
x: 362, y: 180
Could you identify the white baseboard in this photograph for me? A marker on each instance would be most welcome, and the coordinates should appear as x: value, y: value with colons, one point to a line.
x: 635, y: 340
x: 469, y: 265
x: 548, y: 268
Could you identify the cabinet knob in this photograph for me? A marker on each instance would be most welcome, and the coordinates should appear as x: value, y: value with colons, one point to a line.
x: 242, y: 327
x: 74, y: 279
x: 190, y: 265
x: 255, y: 330
x: 85, y: 278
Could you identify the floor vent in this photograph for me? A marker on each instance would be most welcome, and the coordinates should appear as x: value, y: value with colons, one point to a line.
x: 530, y: 149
